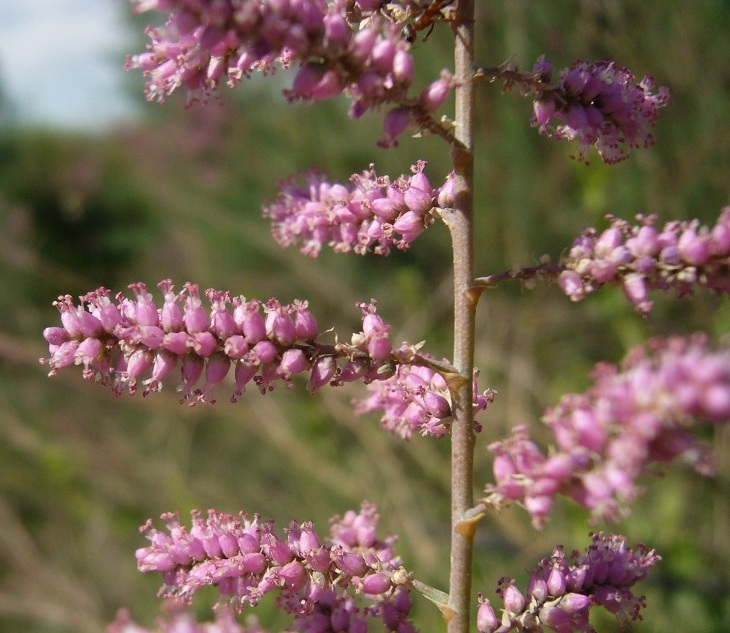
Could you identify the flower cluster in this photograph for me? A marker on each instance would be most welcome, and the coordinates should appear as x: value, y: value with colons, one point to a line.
x: 598, y: 104
x: 560, y: 595
x: 417, y: 399
x: 641, y: 258
x: 180, y: 621
x: 605, y: 439
x: 329, y: 586
x: 341, y: 47
x: 119, y: 343
x: 373, y: 214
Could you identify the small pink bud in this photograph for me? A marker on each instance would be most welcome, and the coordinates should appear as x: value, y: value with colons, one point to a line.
x: 140, y: 360
x: 243, y: 374
x: 252, y: 323
x: 403, y: 67
x: 556, y: 582
x: 176, y: 342
x: 376, y: 584
x: 571, y: 284
x: 235, y: 347
x: 88, y: 351
x: 574, y: 602
x: 195, y: 317
x: 693, y: 248
x: 418, y: 200
x: 384, y: 209
x: 293, y: 575
x: 56, y: 335
x: 394, y: 124
x: 306, y: 80
x: 293, y: 361
x: 203, y: 344
x: 434, y: 95
x: 264, y: 351
x: 145, y: 311
x: 192, y: 369
x: 253, y: 563
x: 487, y: 621
x: 379, y: 347
x: 634, y: 286
x: 445, y: 195
x: 351, y: 564
x: 322, y: 372
x: 544, y: 110
x: 362, y: 44
x: 305, y: 325
x: 382, y: 55
x: 436, y: 404
x: 336, y: 30
x: 514, y: 601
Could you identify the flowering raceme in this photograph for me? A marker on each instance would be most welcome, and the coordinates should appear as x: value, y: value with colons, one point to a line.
x: 679, y: 256
x: 598, y: 104
x: 315, y: 581
x: 180, y: 621
x: 341, y: 47
x: 119, y: 344
x: 372, y: 215
x: 416, y: 399
x: 560, y: 595
x: 605, y: 439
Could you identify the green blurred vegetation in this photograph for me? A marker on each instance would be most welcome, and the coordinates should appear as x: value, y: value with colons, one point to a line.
x: 178, y: 196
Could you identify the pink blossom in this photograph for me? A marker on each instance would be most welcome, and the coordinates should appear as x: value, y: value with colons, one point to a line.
x: 204, y: 44
x: 245, y: 560
x: 641, y: 258
x: 373, y: 214
x: 562, y: 591
x: 180, y: 620
x: 213, y: 345
x: 606, y: 439
x: 415, y: 399
x: 599, y: 104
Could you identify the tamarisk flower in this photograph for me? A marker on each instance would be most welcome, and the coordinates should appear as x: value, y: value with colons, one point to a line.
x: 180, y: 621
x: 373, y: 214
x: 607, y: 438
x: 417, y: 399
x: 128, y: 343
x: 328, y: 585
x: 679, y: 256
x: 599, y: 104
x: 340, y: 47
x: 560, y: 593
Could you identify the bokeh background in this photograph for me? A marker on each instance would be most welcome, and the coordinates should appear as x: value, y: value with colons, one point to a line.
x: 116, y: 191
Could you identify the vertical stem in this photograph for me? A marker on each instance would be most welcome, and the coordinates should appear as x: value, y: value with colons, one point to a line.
x: 460, y: 225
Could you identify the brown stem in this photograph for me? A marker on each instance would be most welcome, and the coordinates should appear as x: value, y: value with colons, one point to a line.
x: 459, y: 220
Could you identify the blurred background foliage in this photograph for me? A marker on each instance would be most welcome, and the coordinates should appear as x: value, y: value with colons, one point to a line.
x: 178, y: 195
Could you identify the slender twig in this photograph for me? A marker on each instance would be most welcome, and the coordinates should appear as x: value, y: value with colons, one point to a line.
x: 528, y: 273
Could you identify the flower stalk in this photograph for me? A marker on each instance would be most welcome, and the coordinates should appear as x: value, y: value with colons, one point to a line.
x: 459, y: 220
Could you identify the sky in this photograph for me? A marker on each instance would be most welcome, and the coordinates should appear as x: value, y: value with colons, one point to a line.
x: 61, y: 61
